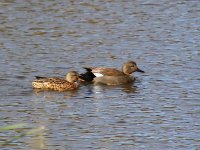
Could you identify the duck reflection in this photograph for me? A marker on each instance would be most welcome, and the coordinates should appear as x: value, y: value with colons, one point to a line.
x: 100, y: 90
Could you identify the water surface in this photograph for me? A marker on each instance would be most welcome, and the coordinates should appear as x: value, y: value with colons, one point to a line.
x: 160, y: 110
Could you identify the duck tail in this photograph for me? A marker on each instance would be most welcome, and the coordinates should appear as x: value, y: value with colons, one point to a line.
x: 39, y: 77
x: 88, y: 69
x: 87, y: 76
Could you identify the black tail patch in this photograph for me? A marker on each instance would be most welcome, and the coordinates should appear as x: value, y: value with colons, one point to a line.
x: 88, y: 75
x: 39, y: 77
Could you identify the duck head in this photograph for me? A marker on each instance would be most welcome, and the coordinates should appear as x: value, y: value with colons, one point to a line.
x: 72, y: 76
x: 130, y: 67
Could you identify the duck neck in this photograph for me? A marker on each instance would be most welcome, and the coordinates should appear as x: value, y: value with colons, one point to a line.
x: 69, y: 79
x: 126, y: 71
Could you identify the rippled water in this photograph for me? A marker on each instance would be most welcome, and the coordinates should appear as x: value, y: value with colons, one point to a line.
x: 161, y: 110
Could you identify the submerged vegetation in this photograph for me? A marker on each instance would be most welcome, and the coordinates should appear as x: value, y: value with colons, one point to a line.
x: 8, y: 137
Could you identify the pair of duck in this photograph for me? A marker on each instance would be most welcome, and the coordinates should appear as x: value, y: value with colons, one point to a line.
x: 108, y: 76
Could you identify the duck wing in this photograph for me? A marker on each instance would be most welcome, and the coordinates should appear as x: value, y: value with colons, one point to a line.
x: 57, y: 84
x: 101, y: 71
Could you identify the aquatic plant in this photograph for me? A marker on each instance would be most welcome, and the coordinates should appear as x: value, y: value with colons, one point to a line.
x: 21, y: 130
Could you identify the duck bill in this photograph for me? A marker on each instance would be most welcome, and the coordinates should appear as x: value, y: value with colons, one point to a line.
x: 139, y: 70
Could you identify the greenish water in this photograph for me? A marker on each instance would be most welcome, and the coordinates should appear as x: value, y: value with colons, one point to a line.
x: 161, y: 110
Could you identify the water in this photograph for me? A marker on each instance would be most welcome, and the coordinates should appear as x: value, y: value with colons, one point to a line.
x: 161, y: 110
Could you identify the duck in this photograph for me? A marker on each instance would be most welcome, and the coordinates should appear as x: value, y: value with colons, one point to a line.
x: 110, y: 76
x: 56, y: 83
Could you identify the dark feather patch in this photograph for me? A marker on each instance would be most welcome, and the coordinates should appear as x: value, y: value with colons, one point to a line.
x: 88, y: 75
x: 39, y: 77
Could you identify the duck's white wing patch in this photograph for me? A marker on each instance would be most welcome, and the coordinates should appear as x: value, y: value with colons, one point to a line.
x: 98, y: 74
